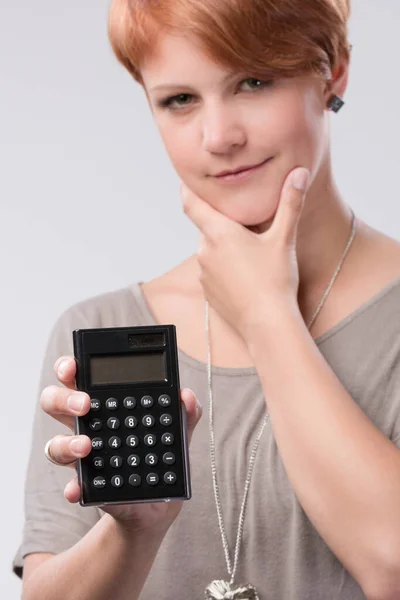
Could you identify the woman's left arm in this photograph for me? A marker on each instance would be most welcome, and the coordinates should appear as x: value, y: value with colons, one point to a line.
x: 344, y: 470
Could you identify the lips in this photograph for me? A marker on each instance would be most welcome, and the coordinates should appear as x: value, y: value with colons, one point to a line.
x: 240, y: 169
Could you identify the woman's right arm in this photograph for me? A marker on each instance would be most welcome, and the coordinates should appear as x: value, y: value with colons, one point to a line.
x: 115, y: 556
x: 110, y: 561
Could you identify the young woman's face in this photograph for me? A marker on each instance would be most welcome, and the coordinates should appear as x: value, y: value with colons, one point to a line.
x: 217, y: 121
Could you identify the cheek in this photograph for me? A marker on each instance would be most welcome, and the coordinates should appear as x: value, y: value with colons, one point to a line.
x: 178, y: 142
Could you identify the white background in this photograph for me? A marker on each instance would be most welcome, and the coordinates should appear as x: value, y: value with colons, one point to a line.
x: 89, y: 201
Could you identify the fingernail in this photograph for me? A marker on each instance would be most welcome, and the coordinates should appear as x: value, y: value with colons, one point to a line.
x: 75, y: 402
x: 300, y: 179
x: 62, y: 367
x: 76, y: 446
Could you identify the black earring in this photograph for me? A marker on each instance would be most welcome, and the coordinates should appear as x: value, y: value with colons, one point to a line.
x: 336, y: 103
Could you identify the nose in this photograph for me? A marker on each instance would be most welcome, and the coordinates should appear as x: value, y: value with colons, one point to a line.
x: 222, y: 129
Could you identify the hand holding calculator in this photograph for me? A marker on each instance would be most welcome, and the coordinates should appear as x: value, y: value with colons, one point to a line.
x: 129, y: 412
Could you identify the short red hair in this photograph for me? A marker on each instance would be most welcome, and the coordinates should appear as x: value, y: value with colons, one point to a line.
x: 280, y: 38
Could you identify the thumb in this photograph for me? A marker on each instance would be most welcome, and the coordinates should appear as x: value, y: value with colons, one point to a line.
x: 291, y: 205
x: 193, y: 410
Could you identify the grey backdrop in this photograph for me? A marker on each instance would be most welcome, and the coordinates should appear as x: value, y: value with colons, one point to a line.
x: 84, y: 174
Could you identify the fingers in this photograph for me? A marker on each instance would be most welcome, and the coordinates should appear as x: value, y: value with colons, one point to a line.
x: 290, y: 206
x: 72, y: 491
x: 65, y: 449
x: 64, y: 404
x: 193, y: 409
x: 210, y: 222
x: 65, y: 369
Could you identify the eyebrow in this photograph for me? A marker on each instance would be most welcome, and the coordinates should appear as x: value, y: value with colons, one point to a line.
x: 227, y: 77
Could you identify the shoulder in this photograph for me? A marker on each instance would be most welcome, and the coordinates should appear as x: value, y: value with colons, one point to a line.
x: 115, y: 308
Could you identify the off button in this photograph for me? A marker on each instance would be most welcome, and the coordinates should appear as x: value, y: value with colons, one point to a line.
x: 99, y: 482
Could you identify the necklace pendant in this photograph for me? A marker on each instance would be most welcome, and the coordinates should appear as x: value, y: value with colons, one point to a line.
x: 221, y: 590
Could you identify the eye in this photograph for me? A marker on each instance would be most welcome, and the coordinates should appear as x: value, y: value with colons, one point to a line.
x: 169, y: 101
x: 179, y: 100
x: 260, y: 81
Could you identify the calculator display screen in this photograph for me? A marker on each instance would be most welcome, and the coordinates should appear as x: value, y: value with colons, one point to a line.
x: 128, y: 368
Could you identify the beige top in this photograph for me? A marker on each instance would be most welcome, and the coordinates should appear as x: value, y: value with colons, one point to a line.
x: 282, y: 553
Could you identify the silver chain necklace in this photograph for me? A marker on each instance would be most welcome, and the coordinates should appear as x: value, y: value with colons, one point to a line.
x: 220, y: 589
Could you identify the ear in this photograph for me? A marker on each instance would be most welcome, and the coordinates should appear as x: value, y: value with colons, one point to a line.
x: 338, y: 84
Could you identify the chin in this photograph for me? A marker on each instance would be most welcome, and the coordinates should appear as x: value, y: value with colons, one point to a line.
x: 260, y: 224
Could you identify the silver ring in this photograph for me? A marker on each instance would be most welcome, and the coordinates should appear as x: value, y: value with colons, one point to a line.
x: 48, y: 455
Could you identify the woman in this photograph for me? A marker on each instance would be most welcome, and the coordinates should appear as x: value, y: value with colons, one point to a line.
x: 310, y: 402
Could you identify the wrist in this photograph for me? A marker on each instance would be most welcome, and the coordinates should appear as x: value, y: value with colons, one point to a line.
x: 269, y: 321
x: 132, y: 532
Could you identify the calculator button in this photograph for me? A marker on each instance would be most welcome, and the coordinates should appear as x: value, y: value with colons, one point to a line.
x: 135, y: 479
x: 164, y: 400
x: 152, y: 479
x: 168, y: 458
x: 117, y: 481
x: 147, y: 401
x: 167, y: 439
x: 130, y: 422
x: 97, y: 443
x: 129, y: 402
x: 95, y: 404
x: 132, y: 441
x: 114, y: 442
x: 150, y: 439
x: 113, y: 423
x: 99, y: 481
x: 170, y: 477
x: 112, y: 403
x: 151, y: 459
x: 95, y: 424
x: 148, y: 421
x: 166, y: 420
x: 116, y: 461
x: 98, y: 462
x: 133, y: 460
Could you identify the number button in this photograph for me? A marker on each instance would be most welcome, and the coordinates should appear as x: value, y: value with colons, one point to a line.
x: 97, y: 443
x: 129, y: 402
x: 147, y: 401
x: 167, y: 439
x: 114, y: 442
x: 170, y: 478
x: 95, y: 424
x: 99, y: 482
x: 151, y: 459
x: 133, y: 460
x: 152, y: 479
x: 130, y: 422
x: 95, y: 404
x: 164, y: 400
x: 112, y: 404
x: 116, y: 461
x: 148, y: 421
x: 117, y: 481
x: 132, y: 441
x: 169, y: 458
x: 150, y: 439
x: 135, y: 479
x: 166, y: 420
x: 113, y: 423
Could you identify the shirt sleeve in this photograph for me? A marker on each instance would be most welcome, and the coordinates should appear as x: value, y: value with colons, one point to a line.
x: 51, y: 524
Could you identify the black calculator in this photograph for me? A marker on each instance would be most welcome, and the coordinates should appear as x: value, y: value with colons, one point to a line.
x: 137, y: 422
